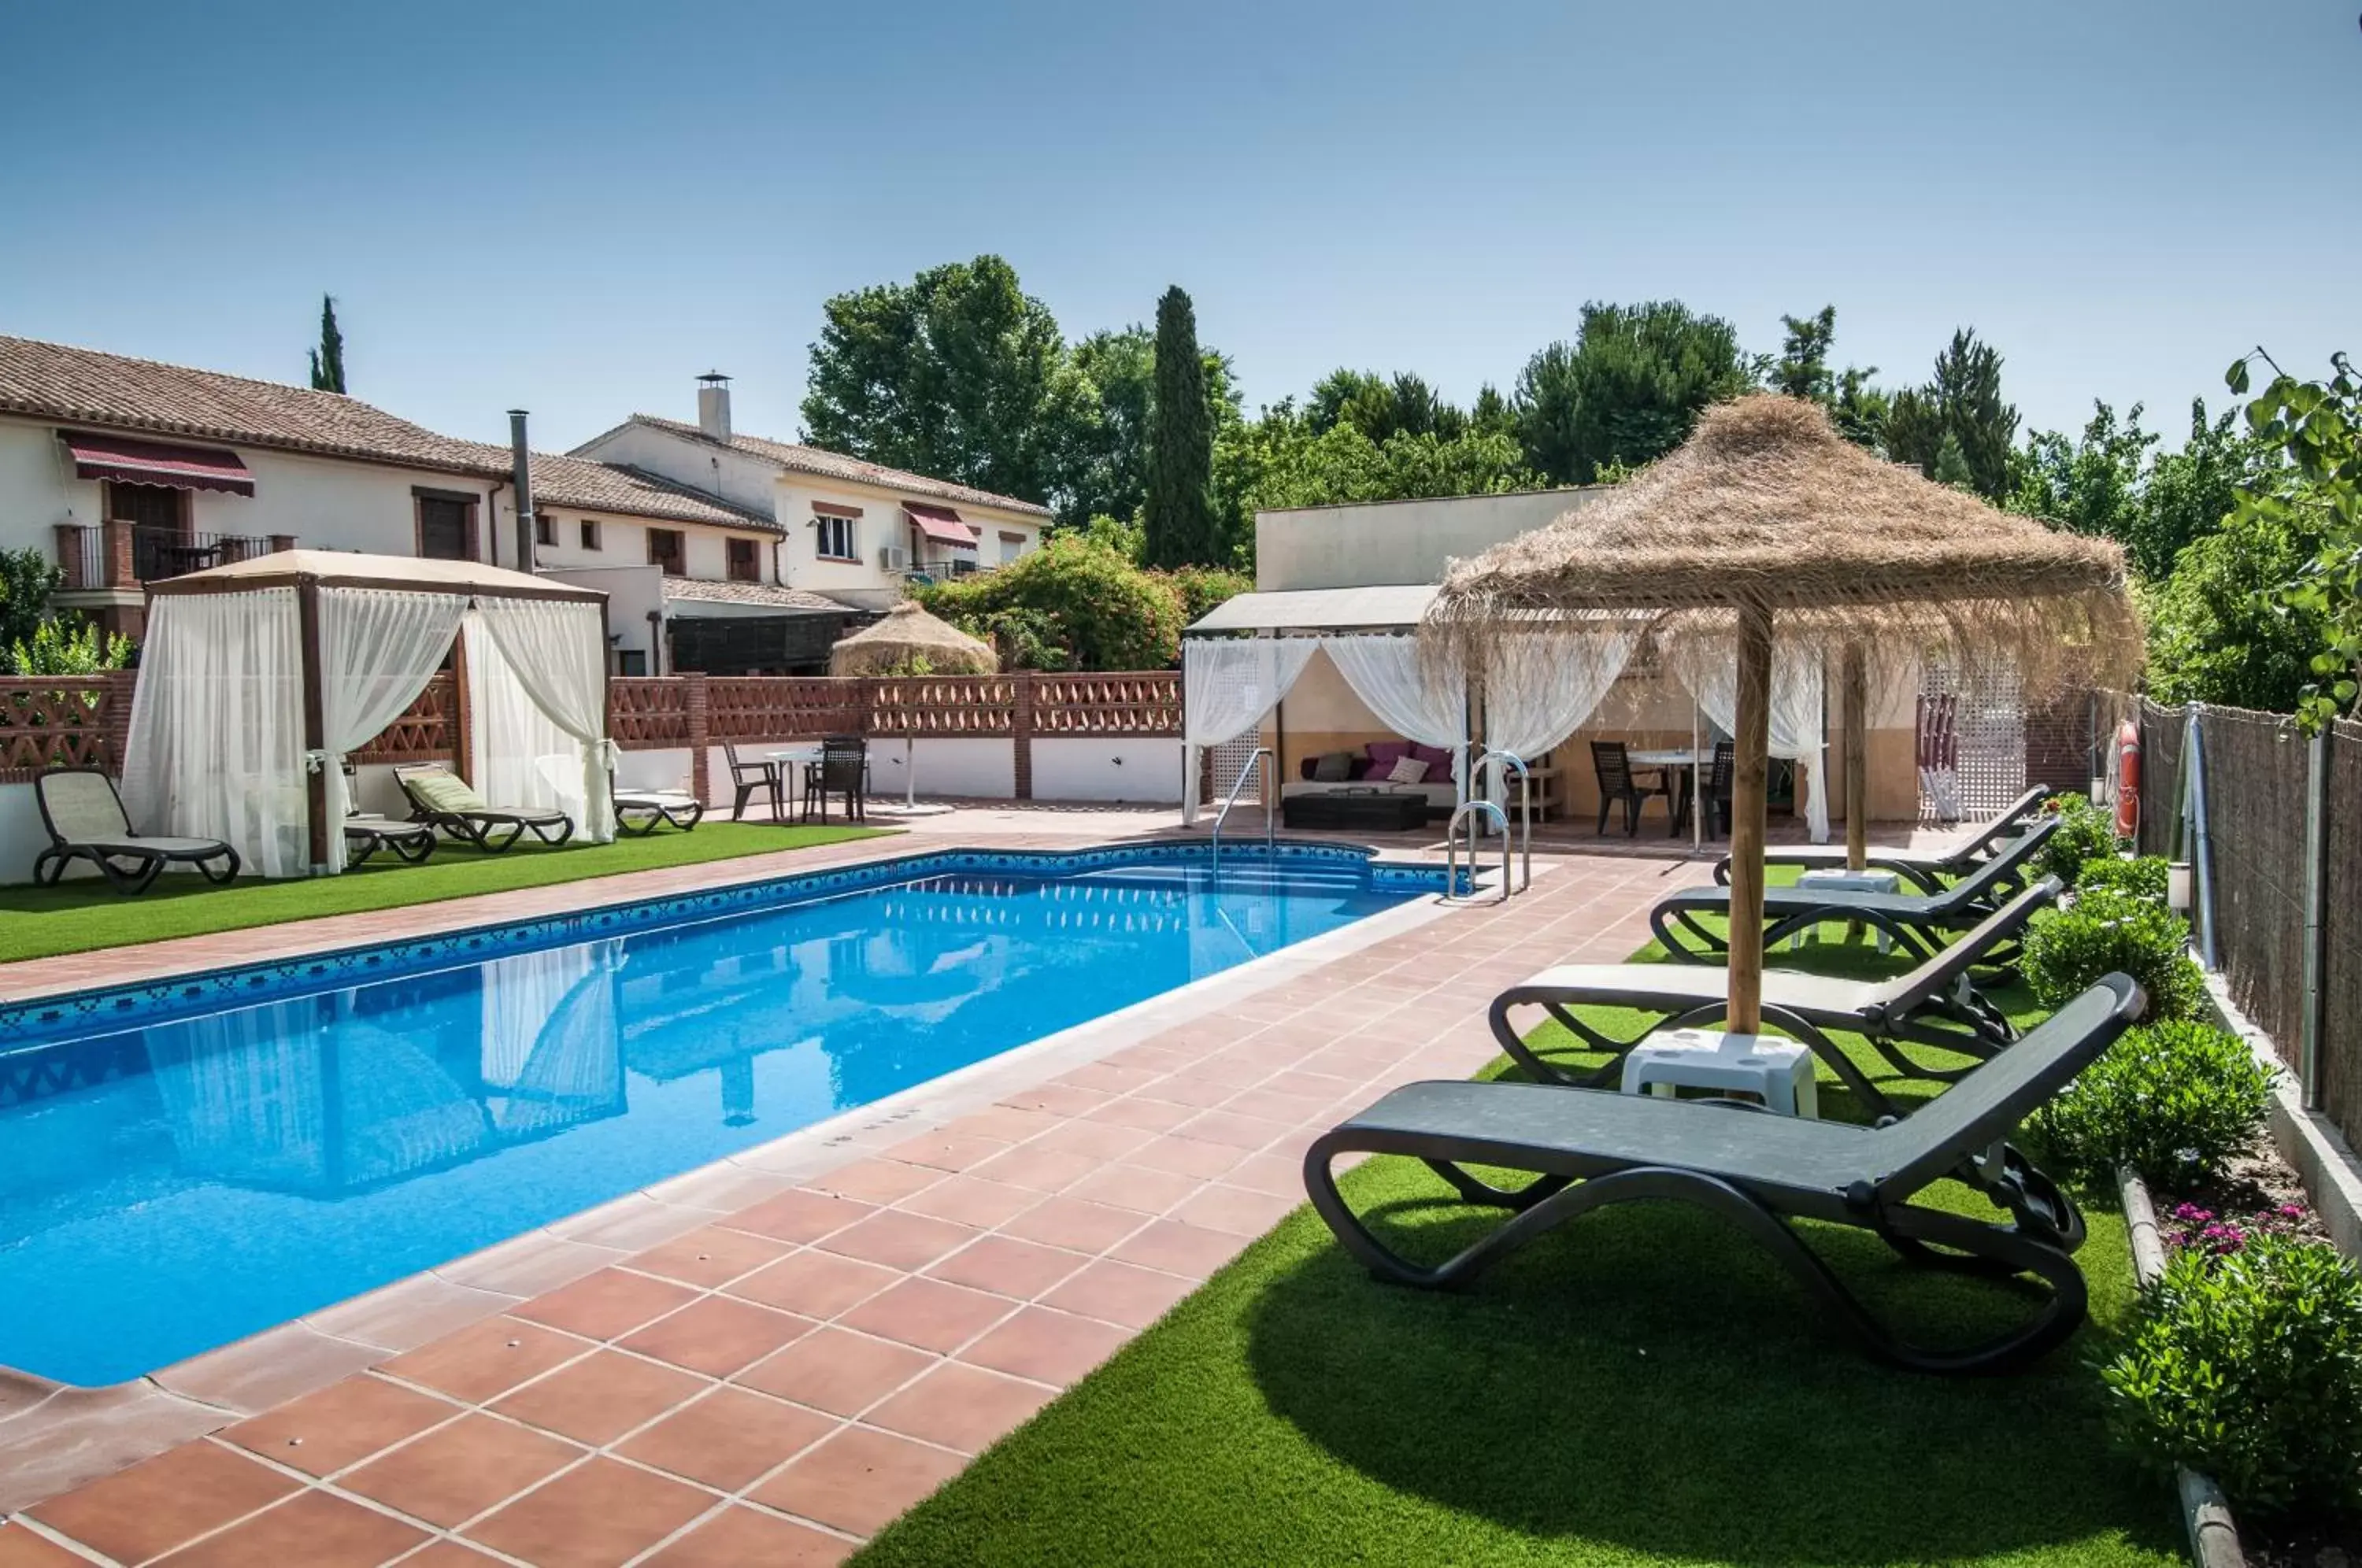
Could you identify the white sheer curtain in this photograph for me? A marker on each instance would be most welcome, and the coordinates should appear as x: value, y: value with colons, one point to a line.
x: 520, y: 757
x: 1227, y: 686
x: 1799, y: 717
x: 1540, y: 687
x: 378, y: 650
x: 555, y: 650
x: 216, y: 743
x: 1426, y: 703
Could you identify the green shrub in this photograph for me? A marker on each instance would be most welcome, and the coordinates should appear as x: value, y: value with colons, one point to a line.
x: 2107, y: 930
x: 2142, y: 877
x: 2086, y: 831
x: 1103, y: 611
x: 2249, y: 1366
x: 2172, y: 1101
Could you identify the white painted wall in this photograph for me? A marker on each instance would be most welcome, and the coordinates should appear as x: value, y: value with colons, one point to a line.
x: 1393, y: 541
x: 1143, y: 769
x: 327, y: 503
x: 978, y: 768
x: 22, y: 836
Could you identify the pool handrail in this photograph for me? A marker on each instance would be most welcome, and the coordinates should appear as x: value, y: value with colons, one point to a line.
x: 1270, y: 819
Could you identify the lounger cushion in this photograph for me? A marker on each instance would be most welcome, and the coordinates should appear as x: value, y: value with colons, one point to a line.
x: 445, y: 792
x: 1695, y: 985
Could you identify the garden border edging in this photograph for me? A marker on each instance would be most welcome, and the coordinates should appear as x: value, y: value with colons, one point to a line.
x: 2205, y: 1514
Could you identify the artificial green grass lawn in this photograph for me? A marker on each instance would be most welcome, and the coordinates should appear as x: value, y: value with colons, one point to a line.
x: 1640, y: 1387
x: 78, y: 915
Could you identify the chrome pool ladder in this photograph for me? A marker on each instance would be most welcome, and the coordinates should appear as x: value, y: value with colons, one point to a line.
x: 1479, y: 806
x: 1270, y: 819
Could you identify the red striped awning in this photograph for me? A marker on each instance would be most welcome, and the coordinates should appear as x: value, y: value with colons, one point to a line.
x: 155, y: 462
x: 942, y: 524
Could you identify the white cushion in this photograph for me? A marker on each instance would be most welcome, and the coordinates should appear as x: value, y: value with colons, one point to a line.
x: 1408, y: 770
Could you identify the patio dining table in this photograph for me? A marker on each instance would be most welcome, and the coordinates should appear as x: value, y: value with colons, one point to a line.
x: 1680, y: 765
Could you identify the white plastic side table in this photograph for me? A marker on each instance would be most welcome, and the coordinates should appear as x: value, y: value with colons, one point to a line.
x: 1843, y: 881
x: 1780, y: 1071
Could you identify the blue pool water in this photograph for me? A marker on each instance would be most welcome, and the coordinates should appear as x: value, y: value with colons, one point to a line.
x: 168, y: 1189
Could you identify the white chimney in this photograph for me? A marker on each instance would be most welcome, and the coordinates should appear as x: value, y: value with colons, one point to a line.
x: 713, y: 404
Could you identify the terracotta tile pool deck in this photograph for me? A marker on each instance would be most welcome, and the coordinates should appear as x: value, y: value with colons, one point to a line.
x: 767, y: 1360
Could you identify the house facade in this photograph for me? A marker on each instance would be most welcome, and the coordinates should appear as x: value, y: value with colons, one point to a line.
x: 126, y: 472
x: 851, y: 531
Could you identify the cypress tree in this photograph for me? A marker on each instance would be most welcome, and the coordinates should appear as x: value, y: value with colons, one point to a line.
x: 1179, y: 513
x: 328, y: 359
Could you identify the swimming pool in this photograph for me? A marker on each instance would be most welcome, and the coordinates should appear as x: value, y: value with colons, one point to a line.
x: 187, y: 1163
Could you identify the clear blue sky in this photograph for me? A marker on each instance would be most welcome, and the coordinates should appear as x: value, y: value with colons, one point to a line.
x: 578, y: 207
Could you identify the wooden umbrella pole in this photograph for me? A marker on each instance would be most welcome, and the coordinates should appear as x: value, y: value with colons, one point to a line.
x: 1856, y: 679
x: 1751, y: 745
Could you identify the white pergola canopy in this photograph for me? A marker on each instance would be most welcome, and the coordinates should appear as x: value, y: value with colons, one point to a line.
x: 258, y: 678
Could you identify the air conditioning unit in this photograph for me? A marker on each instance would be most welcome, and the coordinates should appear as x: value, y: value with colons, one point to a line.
x: 893, y: 558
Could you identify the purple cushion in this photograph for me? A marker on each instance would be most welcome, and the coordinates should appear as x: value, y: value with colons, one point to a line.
x: 1304, y: 768
x: 1438, y: 760
x: 1374, y: 769
x: 1387, y: 751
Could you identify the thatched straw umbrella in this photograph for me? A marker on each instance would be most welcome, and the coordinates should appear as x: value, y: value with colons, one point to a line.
x: 906, y: 635
x: 1767, y: 516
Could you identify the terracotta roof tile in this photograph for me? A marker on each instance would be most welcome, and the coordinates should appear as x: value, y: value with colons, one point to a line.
x: 837, y: 465
x: 704, y: 591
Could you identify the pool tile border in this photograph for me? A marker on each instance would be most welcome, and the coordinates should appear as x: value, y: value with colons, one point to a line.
x: 164, y: 998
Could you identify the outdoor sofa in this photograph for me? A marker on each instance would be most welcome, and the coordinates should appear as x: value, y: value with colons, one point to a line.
x: 1586, y: 1149
x: 1919, y: 924
x: 1925, y: 868
x: 1936, y: 1004
x: 441, y: 798
x: 86, y: 820
x: 1371, y: 769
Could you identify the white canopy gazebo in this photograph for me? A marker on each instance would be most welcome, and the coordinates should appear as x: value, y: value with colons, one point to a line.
x: 258, y: 678
x: 1534, y: 689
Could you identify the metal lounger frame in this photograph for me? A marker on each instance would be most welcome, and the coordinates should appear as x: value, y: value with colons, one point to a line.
x: 148, y: 863
x: 642, y: 816
x: 1925, y: 869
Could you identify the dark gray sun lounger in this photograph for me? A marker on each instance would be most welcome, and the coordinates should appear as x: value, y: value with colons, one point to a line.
x: 1936, y: 1004
x: 86, y: 820
x: 1587, y: 1149
x: 1926, y: 869
x: 1920, y: 923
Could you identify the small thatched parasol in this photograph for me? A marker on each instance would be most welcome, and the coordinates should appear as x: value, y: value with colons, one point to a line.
x: 906, y: 635
x: 1766, y: 513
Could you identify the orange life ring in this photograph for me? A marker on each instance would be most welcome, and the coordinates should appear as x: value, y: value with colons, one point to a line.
x: 2128, y: 749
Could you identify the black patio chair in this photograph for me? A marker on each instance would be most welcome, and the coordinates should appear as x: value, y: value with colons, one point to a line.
x: 746, y: 777
x: 1936, y: 1004
x: 1613, y: 767
x: 1586, y: 1149
x: 1716, y: 799
x: 843, y: 769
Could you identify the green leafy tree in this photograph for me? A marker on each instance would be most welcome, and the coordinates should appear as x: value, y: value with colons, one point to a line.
x: 1280, y: 460
x: 958, y: 374
x: 2190, y: 492
x: 1178, y: 514
x: 2091, y: 486
x: 2219, y: 630
x: 1951, y: 465
x: 1491, y: 413
x: 2317, y: 427
x: 67, y: 647
x: 1096, y: 608
x: 1381, y: 407
x: 1802, y: 368
x: 27, y: 577
x: 1963, y: 401
x: 328, y: 359
x: 1855, y: 406
x: 1628, y: 390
